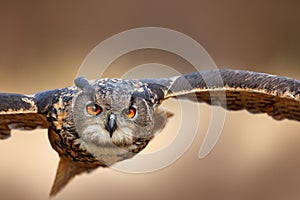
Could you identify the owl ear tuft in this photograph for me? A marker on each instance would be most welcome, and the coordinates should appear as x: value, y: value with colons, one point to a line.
x: 83, y: 84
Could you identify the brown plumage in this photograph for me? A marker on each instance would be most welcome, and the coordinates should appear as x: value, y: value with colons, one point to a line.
x: 85, y: 141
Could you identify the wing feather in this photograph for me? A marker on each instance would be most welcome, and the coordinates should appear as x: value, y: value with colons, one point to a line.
x: 277, y: 96
x: 19, y: 111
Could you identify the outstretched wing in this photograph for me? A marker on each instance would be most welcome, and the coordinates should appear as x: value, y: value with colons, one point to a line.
x: 19, y: 111
x: 277, y: 96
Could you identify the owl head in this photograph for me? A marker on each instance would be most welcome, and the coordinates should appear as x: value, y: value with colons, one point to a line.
x: 115, y: 118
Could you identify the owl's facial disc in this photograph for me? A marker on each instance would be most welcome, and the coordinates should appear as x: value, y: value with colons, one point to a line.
x: 111, y: 125
x: 114, y: 122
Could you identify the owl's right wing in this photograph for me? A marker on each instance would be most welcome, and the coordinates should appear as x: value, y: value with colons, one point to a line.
x: 19, y: 111
x: 277, y: 96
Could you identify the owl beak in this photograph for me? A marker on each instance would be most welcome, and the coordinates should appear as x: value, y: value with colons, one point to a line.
x: 111, y: 124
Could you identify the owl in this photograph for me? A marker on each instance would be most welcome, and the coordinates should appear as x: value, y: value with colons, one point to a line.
x: 97, y: 123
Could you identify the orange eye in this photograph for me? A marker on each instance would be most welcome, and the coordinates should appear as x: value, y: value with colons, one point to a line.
x: 93, y: 109
x: 130, y: 113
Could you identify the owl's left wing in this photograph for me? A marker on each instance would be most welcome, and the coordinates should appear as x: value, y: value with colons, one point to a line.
x: 277, y: 96
x: 19, y: 111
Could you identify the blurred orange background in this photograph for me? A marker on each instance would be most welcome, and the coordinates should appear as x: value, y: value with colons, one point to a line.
x: 42, y: 45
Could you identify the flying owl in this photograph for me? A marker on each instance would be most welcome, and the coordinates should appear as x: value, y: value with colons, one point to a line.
x: 104, y: 121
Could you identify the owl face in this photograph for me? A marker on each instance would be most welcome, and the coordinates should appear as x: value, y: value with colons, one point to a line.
x: 113, y: 119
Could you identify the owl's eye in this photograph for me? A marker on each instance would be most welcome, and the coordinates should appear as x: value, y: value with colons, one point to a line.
x: 93, y: 109
x: 130, y: 112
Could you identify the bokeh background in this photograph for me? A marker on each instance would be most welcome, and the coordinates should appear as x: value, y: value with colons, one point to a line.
x: 43, y: 43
